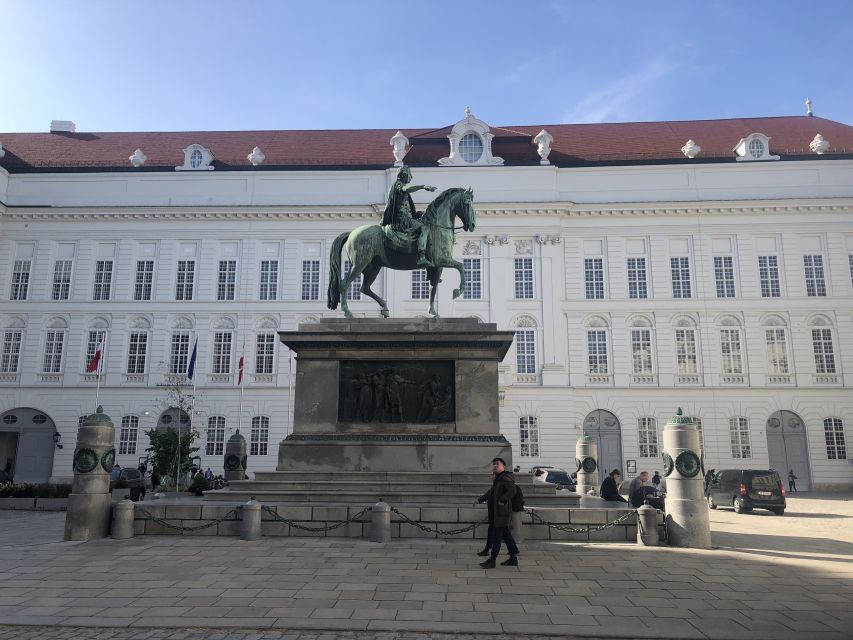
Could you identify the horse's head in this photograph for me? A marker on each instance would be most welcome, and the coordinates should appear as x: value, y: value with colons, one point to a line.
x: 465, y: 210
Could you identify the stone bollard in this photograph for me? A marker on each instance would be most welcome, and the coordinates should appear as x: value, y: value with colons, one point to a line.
x: 250, y: 528
x: 88, y: 513
x: 647, y: 526
x: 380, y: 523
x: 518, y: 526
x: 235, y: 457
x: 586, y: 457
x: 123, y: 522
x: 687, y: 522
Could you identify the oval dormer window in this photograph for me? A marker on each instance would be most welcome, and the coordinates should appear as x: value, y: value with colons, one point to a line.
x: 756, y: 148
x: 196, y: 159
x: 39, y: 418
x: 471, y: 147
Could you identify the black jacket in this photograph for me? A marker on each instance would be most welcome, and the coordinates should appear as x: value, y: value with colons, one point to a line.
x: 500, y: 500
x: 487, y: 498
x: 609, y: 490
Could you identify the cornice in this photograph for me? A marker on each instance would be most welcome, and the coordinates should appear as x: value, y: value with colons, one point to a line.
x: 489, y: 210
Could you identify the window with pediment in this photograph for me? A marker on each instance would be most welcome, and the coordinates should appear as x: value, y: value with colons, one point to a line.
x: 470, y: 144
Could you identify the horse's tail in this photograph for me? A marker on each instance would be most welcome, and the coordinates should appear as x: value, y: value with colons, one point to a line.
x: 334, y: 296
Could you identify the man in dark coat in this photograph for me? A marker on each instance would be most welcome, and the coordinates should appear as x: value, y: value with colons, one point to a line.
x: 487, y: 498
x: 502, y: 492
x: 610, y: 487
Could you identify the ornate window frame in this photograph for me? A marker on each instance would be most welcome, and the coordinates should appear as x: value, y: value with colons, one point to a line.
x: 204, y: 163
x: 745, y: 150
x: 466, y: 126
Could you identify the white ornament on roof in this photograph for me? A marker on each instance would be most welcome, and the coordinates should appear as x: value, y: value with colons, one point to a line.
x: 138, y: 158
x: 754, y: 147
x: 691, y: 149
x: 477, y: 151
x: 819, y: 145
x: 2, y: 150
x: 256, y: 157
x: 809, y: 107
x: 543, y: 141
x: 399, y: 142
x: 196, y: 158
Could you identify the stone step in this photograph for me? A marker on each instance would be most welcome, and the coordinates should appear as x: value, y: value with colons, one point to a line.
x: 375, y: 476
x: 373, y: 486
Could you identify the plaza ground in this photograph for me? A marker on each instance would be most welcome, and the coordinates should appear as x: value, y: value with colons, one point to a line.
x: 767, y: 577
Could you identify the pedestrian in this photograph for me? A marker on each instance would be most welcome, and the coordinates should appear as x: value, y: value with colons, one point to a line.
x: 208, y: 475
x: 115, y: 473
x: 486, y: 497
x: 610, y: 487
x: 656, y: 481
x: 792, y: 481
x: 146, y: 482
x: 502, y: 492
x: 155, y: 481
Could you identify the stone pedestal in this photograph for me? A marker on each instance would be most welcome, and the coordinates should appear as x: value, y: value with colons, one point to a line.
x: 395, y: 395
x: 235, y: 458
x: 88, y: 514
x: 586, y: 457
x: 686, y: 510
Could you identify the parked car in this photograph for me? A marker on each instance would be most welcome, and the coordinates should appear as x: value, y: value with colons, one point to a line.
x: 746, y: 489
x: 554, y: 475
x: 135, y: 482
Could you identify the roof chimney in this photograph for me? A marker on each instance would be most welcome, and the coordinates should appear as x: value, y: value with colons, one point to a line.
x: 62, y: 126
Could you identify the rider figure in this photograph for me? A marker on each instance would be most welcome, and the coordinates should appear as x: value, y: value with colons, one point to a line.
x: 400, y: 212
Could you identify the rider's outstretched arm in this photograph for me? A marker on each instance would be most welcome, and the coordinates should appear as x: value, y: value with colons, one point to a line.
x: 409, y: 188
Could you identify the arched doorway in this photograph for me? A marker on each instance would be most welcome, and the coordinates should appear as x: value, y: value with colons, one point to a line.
x: 27, y: 445
x: 604, y: 428
x: 787, y: 448
x: 171, y: 418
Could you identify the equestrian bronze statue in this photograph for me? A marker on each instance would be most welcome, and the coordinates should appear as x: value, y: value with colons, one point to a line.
x: 406, y: 240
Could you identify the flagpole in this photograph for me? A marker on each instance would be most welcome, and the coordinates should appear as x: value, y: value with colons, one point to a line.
x: 240, y: 374
x: 100, y: 367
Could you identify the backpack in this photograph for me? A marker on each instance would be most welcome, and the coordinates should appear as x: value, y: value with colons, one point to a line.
x: 518, y: 500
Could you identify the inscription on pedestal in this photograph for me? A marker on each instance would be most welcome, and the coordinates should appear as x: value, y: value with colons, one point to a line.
x: 396, y: 391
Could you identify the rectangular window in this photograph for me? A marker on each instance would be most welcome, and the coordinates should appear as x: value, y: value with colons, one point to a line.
x: 269, y: 280
x: 179, y: 353
x: 641, y: 350
x: 20, y: 280
x: 824, y: 357
x: 593, y: 274
x: 523, y: 278
x: 61, y: 280
x: 354, y: 289
x: 473, y: 279
x: 730, y: 351
x: 836, y: 446
x: 701, y: 434
x: 420, y: 285
x: 144, y: 280
x: 52, y: 362
x: 310, y: 279
x: 103, y: 280
x: 259, y: 436
x: 185, y: 281
x: 596, y: 345
x: 739, y: 434
x: 93, y: 340
x: 648, y: 438
x: 227, y: 281
x: 724, y: 276
x: 768, y: 274
x: 815, y: 280
x: 11, y: 351
x: 777, y: 351
x: 215, y: 445
x: 637, y: 285
x: 680, y: 270
x: 137, y: 349
x: 525, y: 351
x: 528, y: 435
x: 127, y: 436
x: 222, y: 352
x: 685, y: 351
x: 264, y: 352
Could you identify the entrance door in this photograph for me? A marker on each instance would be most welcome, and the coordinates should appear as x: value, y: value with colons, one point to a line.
x: 787, y: 448
x: 604, y: 428
x: 28, y: 444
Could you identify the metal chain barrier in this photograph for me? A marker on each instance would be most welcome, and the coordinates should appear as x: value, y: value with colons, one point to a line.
x: 328, y: 527
x: 561, y: 527
x: 165, y: 523
x: 442, y: 532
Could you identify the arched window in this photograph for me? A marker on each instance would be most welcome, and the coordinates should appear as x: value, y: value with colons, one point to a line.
x: 642, y: 357
x: 776, y: 341
x: 215, y: 445
x: 739, y: 435
x: 596, y: 346
x: 836, y: 446
x: 10, y: 356
x: 822, y: 345
x: 260, y: 435
x: 686, y: 351
x: 54, y: 344
x: 525, y: 344
x: 528, y: 436
x: 647, y: 432
x: 731, y: 347
x: 127, y: 436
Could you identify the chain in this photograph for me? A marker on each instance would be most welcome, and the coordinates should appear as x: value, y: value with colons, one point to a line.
x: 561, y: 527
x: 226, y: 518
x: 329, y: 527
x: 441, y: 532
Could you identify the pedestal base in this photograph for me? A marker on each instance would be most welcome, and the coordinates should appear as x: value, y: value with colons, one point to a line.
x: 88, y: 516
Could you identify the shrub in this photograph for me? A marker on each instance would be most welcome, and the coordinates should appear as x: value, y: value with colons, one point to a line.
x: 27, y: 490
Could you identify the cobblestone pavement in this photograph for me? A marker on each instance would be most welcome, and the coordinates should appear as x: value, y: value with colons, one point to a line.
x: 768, y: 577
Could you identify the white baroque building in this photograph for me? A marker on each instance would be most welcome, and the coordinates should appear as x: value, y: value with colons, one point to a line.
x: 644, y: 266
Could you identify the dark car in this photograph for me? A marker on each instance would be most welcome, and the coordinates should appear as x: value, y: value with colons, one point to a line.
x: 553, y: 475
x: 135, y: 482
x: 745, y: 490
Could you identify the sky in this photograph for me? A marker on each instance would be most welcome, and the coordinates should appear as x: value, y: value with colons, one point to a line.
x: 170, y: 65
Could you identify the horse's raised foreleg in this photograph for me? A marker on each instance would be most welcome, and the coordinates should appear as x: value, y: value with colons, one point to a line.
x: 453, y: 264
x: 370, y: 273
x: 434, y: 276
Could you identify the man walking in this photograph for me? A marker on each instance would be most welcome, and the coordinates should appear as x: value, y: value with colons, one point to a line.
x: 500, y: 501
x: 792, y: 481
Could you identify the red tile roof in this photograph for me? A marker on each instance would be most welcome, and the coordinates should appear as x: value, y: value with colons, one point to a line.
x: 574, y: 145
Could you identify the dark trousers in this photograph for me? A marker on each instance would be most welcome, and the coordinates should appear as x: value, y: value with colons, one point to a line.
x: 489, y: 538
x: 498, y: 534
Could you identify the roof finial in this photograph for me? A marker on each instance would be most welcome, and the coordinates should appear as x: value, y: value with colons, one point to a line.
x: 467, y: 112
x: 809, y: 107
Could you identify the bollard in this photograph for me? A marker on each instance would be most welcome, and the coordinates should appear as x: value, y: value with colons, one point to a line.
x: 518, y: 526
x: 250, y: 528
x: 647, y: 526
x: 380, y: 529
x: 586, y: 456
x: 123, y: 522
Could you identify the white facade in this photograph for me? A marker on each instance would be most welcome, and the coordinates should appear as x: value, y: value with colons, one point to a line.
x: 573, y: 232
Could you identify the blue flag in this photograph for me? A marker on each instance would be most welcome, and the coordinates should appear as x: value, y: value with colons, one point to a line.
x: 191, y: 366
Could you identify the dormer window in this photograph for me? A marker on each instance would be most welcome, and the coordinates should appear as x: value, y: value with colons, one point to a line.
x: 756, y: 146
x: 471, y: 148
x: 196, y: 158
x: 470, y: 143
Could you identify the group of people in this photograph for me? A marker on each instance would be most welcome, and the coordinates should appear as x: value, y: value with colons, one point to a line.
x: 642, y: 490
x: 201, y: 481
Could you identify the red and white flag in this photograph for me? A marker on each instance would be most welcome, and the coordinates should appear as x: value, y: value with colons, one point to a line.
x: 240, y: 372
x: 95, y: 363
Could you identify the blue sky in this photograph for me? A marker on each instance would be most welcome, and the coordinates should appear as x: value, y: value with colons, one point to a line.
x: 197, y: 65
